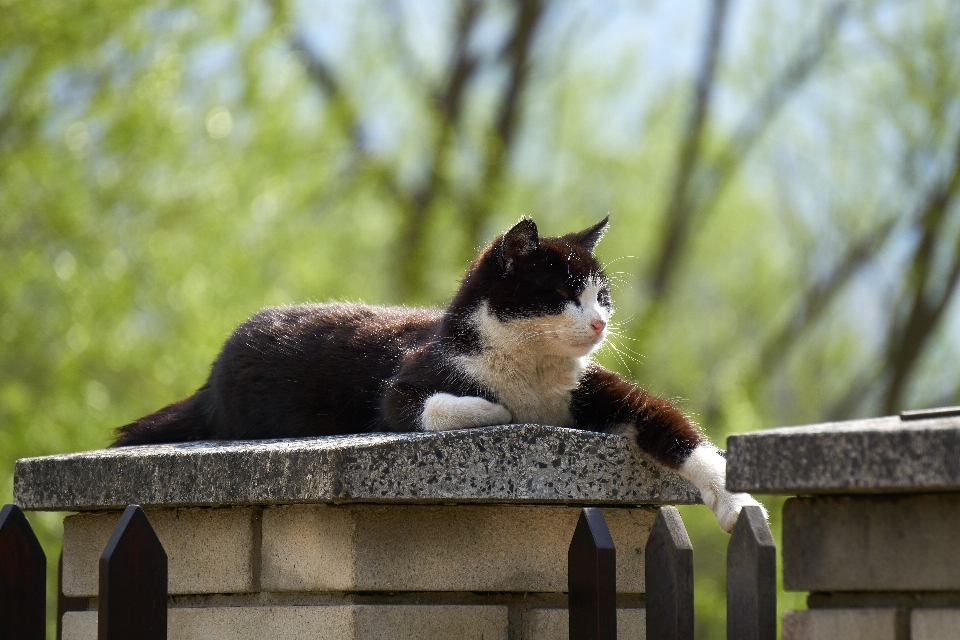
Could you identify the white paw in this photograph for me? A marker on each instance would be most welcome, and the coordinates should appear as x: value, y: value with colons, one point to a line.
x: 707, y: 470
x: 486, y: 413
x: 727, y: 507
x: 444, y: 412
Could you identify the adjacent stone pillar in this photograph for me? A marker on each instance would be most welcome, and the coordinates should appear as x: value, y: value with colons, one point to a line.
x: 874, y: 540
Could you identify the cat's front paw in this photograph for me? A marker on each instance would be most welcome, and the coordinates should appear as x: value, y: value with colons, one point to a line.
x: 444, y: 412
x: 487, y: 414
x: 707, y: 469
x: 727, y: 507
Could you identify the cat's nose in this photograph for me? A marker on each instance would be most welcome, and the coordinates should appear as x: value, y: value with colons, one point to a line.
x: 598, y: 325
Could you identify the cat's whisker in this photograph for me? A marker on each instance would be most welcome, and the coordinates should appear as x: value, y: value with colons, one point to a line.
x: 616, y: 354
x: 619, y: 351
x: 638, y: 355
x: 615, y: 260
x: 619, y: 338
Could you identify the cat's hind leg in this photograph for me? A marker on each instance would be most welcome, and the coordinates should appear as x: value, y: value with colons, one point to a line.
x: 444, y: 412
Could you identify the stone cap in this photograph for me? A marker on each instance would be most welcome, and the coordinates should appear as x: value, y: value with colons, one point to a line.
x: 916, y: 454
x: 506, y: 464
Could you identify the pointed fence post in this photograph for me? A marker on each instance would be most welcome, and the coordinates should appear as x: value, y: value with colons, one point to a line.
x: 23, y: 578
x: 669, y: 578
x: 133, y: 582
x: 592, y: 579
x: 751, y: 579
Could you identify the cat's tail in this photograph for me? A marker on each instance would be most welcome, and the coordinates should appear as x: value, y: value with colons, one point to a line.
x: 182, y: 421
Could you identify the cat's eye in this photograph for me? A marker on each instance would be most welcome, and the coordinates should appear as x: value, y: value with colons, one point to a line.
x: 563, y: 294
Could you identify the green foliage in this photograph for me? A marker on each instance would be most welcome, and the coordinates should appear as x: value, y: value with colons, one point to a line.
x: 167, y: 168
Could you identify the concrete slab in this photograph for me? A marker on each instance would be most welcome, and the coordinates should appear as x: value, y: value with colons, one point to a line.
x: 880, y: 455
x: 514, y: 463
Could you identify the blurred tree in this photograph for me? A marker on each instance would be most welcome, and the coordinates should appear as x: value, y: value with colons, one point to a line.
x: 782, y: 181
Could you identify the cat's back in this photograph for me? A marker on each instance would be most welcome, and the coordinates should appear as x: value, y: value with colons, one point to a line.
x: 296, y: 326
x: 312, y: 369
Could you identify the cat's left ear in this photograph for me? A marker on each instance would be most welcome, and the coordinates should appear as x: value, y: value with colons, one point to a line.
x: 588, y: 238
x: 520, y: 241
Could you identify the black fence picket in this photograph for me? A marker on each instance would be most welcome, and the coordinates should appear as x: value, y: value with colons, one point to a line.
x: 133, y: 582
x: 669, y: 578
x: 751, y: 579
x: 592, y: 579
x: 23, y: 578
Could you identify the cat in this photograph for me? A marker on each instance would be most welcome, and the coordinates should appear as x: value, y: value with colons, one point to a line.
x: 513, y: 346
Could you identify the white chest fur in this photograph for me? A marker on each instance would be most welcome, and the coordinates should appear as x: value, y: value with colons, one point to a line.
x: 526, y: 364
x: 538, y: 394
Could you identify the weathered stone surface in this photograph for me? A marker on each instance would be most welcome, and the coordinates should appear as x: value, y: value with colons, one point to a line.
x: 208, y: 550
x: 437, y: 548
x: 872, y: 543
x: 514, y: 463
x: 339, y: 622
x: 935, y: 624
x: 430, y: 622
x: 840, y: 624
x: 882, y: 455
x: 554, y: 624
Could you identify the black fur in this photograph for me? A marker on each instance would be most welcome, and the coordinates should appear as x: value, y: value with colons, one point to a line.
x: 315, y: 370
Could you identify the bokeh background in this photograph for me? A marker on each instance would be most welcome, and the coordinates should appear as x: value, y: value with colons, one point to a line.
x: 782, y: 180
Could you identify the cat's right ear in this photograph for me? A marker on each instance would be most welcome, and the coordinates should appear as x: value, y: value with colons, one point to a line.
x: 520, y: 241
x: 588, y: 238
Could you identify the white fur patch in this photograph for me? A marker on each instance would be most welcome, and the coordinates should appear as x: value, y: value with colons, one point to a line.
x: 444, y: 412
x: 533, y: 364
x: 627, y: 430
x: 707, y: 470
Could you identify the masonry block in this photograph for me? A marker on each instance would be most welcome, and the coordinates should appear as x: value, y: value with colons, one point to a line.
x: 430, y: 622
x: 872, y: 543
x: 935, y: 624
x: 436, y: 548
x: 336, y: 622
x: 208, y: 550
x: 840, y: 624
x: 553, y: 624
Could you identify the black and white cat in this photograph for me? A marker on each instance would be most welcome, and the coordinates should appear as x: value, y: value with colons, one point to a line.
x: 512, y: 347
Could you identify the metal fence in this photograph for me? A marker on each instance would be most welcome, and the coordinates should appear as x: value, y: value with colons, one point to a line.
x: 133, y: 580
x: 668, y: 573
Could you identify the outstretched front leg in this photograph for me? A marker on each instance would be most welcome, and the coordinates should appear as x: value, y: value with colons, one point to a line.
x: 604, y: 401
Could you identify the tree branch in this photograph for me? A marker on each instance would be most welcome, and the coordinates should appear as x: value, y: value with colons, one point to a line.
x: 680, y: 210
x: 817, y: 299
x: 696, y: 190
x: 763, y: 112
x: 412, y: 240
x: 907, y: 340
x: 516, y: 53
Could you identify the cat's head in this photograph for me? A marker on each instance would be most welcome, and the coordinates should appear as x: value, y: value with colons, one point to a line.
x: 549, y: 292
